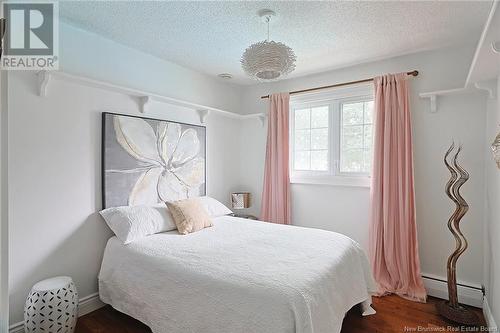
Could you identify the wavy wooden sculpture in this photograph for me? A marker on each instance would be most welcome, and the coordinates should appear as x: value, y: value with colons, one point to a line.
x: 451, y: 309
x: 452, y: 287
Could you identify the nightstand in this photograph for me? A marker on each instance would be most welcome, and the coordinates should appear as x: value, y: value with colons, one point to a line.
x: 245, y: 216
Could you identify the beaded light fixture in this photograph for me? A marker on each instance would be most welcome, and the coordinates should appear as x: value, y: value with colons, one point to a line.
x: 268, y: 60
x: 495, y: 147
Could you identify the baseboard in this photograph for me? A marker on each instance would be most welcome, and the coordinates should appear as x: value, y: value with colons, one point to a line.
x: 488, y: 316
x: 470, y: 295
x: 89, y: 304
x: 17, y: 328
x: 85, y: 305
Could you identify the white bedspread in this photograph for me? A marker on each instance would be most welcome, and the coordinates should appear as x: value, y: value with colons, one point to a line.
x: 240, y: 276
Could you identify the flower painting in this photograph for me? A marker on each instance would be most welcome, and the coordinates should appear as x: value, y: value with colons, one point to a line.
x: 146, y: 161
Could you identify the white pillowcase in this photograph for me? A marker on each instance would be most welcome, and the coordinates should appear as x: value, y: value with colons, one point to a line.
x: 214, y: 207
x: 133, y: 222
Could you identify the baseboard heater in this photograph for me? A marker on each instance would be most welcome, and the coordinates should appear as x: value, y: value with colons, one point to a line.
x: 467, y: 294
x: 482, y: 288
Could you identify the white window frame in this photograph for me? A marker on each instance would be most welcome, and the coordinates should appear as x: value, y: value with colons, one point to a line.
x: 333, y: 99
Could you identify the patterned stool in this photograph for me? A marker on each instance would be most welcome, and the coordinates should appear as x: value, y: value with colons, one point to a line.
x: 51, y: 306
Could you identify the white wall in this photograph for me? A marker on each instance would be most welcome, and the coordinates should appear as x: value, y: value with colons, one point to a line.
x: 492, y: 232
x: 345, y: 209
x: 54, y: 162
x: 4, y: 203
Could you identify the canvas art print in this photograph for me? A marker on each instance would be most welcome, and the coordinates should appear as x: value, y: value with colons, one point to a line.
x: 147, y: 161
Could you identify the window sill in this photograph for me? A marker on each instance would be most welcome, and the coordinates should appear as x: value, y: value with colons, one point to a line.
x: 347, y: 181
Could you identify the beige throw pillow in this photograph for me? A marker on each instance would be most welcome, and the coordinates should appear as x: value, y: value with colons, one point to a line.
x: 189, y: 215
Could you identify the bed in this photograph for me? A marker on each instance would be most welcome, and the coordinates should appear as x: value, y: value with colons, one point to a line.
x: 239, y: 276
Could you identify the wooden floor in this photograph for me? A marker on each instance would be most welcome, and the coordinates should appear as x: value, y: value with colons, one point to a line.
x: 394, y: 314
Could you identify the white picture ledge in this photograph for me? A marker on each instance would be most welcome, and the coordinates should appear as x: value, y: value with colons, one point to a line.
x: 144, y: 98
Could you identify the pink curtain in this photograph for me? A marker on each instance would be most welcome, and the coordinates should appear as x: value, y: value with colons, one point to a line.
x: 393, y: 232
x: 276, y: 191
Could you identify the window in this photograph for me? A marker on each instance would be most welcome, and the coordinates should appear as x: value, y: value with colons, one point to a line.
x: 356, y: 138
x: 331, y: 137
x: 311, y: 138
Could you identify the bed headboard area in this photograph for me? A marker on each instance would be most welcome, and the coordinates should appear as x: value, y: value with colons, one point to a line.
x: 146, y: 161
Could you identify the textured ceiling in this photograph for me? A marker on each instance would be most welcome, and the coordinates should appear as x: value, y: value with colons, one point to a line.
x: 210, y: 37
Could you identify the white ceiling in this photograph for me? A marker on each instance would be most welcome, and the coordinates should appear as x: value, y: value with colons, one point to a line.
x: 486, y: 65
x: 210, y: 37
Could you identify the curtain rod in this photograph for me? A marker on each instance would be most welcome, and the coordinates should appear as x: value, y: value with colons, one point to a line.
x: 412, y: 73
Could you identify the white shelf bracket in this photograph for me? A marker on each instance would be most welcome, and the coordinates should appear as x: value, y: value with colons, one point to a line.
x: 495, y: 46
x: 433, y: 101
x: 144, y: 103
x: 203, y: 114
x: 43, y: 83
x: 262, y: 117
x: 489, y: 86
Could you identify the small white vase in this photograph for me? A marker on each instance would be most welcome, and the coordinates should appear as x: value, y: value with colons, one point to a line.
x: 52, y: 306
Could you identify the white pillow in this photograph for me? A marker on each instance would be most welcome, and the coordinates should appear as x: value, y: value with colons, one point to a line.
x: 133, y: 222
x: 214, y: 207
